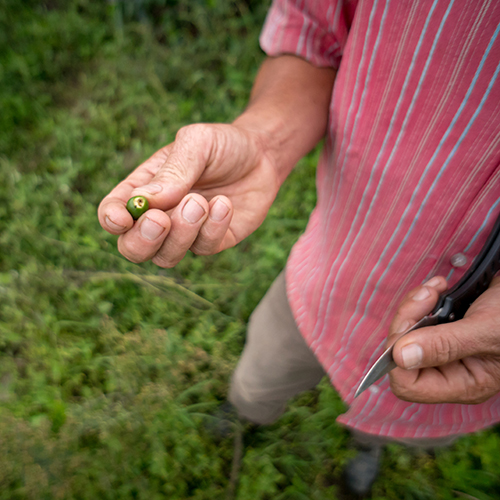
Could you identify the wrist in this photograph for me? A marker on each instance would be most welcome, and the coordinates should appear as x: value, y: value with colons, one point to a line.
x: 267, y: 131
x: 288, y: 109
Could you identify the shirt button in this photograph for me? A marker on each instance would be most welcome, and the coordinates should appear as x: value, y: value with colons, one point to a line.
x: 458, y: 260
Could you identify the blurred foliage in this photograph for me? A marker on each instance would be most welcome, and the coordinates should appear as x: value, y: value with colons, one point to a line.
x: 109, y: 371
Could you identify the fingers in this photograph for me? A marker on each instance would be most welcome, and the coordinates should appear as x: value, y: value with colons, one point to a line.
x: 204, y: 159
x: 196, y: 225
x: 113, y: 216
x: 112, y: 212
x: 193, y: 225
x: 469, y: 381
x: 476, y: 334
x: 417, y: 303
x: 438, y: 345
x: 146, y: 237
x: 214, y: 234
x: 164, y: 179
x: 187, y: 159
x: 424, y: 347
x: 457, y: 362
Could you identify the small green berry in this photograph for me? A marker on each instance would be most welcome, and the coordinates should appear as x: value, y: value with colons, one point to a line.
x: 137, y: 206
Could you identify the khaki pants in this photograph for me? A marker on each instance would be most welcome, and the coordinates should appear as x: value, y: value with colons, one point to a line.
x: 277, y: 364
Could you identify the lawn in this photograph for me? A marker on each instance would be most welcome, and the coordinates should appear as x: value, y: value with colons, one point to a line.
x: 109, y: 371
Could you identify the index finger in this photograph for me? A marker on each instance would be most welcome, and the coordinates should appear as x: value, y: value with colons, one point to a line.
x: 112, y: 212
x: 467, y: 381
x: 418, y: 302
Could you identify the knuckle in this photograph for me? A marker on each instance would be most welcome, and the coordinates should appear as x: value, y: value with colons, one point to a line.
x: 175, y: 170
x: 410, y: 294
x: 194, y: 134
x: 101, y: 212
x: 203, y: 248
x: 398, y: 389
x: 407, y: 391
x: 494, y: 336
x: 122, y: 248
x: 133, y: 259
x: 397, y: 323
x: 444, y: 348
x: 191, y: 149
x: 406, y: 309
x: 476, y: 395
x: 482, y: 386
x: 207, y: 242
x: 164, y: 262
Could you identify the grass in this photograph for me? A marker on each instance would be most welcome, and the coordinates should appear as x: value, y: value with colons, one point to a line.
x: 110, y: 370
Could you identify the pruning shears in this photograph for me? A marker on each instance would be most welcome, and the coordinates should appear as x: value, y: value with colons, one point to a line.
x: 452, y: 305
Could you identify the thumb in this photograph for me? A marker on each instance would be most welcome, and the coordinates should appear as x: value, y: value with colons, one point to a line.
x: 186, y: 161
x: 438, y: 345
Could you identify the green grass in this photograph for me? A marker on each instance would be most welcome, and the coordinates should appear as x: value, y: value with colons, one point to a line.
x: 109, y: 370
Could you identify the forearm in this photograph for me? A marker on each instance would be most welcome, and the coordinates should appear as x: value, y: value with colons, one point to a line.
x: 289, y: 108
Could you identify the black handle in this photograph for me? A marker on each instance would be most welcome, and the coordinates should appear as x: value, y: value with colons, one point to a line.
x: 457, y: 301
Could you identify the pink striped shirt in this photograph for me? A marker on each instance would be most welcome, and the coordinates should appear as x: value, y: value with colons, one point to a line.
x: 409, y: 177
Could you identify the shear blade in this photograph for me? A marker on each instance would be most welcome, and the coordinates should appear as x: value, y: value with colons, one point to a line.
x: 385, y: 363
x: 382, y: 366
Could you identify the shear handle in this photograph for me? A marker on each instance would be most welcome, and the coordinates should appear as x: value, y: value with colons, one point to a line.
x: 455, y: 303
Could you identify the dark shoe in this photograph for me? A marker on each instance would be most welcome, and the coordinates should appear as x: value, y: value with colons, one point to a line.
x: 361, y: 472
x: 223, y: 422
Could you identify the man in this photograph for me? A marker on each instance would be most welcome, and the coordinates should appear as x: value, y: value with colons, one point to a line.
x: 408, y: 96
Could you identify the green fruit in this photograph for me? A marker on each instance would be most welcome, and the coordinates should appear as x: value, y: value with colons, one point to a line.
x: 137, y: 206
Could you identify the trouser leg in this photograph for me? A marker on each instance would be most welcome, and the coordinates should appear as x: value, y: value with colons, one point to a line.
x: 371, y: 440
x: 276, y: 363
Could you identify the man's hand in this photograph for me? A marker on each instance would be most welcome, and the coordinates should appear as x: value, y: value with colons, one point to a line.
x: 214, y: 184
x: 457, y: 362
x: 207, y: 191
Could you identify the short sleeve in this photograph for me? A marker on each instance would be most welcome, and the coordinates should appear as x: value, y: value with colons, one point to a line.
x: 315, y: 30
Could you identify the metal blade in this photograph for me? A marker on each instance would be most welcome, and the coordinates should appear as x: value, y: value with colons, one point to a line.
x: 382, y: 366
x: 385, y: 363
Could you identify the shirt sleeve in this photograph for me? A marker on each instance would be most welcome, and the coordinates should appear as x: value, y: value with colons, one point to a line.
x: 315, y: 30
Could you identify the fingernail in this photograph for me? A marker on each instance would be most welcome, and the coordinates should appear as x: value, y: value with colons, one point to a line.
x: 403, y: 326
x: 422, y: 294
x: 412, y: 355
x: 219, y: 211
x: 193, y: 211
x: 151, y: 188
x: 432, y: 282
x: 150, y: 229
x: 113, y: 226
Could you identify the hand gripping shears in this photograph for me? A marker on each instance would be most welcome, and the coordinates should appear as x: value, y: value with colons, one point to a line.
x: 452, y: 305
